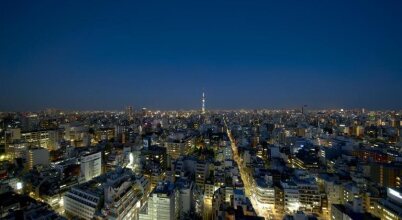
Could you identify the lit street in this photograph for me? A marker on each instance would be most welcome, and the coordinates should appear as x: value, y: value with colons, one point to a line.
x: 247, y: 185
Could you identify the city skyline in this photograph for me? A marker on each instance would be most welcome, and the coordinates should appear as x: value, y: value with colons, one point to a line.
x: 85, y: 56
x: 201, y: 110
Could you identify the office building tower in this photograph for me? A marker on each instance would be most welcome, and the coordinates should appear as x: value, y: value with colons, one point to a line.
x: 91, y: 166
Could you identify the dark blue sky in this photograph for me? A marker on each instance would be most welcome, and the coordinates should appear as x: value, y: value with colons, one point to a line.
x: 162, y: 54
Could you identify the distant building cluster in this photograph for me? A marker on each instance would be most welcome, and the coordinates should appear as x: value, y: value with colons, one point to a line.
x: 213, y: 165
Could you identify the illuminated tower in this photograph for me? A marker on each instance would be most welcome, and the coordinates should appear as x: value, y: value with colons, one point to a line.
x: 203, y: 103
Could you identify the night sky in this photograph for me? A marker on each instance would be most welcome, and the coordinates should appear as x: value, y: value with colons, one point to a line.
x: 105, y: 55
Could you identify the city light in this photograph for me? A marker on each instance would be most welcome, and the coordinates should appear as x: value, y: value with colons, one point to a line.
x: 212, y: 110
x: 19, y: 185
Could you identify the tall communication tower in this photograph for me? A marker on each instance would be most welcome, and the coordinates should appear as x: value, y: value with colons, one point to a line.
x: 203, y: 103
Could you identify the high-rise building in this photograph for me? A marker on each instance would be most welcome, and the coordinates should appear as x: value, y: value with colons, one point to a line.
x: 155, y: 155
x: 14, y: 134
x: 55, y: 136
x: 76, y: 134
x: 91, y: 166
x: 386, y: 175
x: 264, y: 193
x: 309, y: 196
x: 35, y: 137
x: 201, y: 174
x: 82, y: 201
x: 129, y: 112
x: 37, y: 156
x: 17, y: 150
x: 163, y: 203
x: 290, y: 196
x: 177, y: 148
x: 185, y: 188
